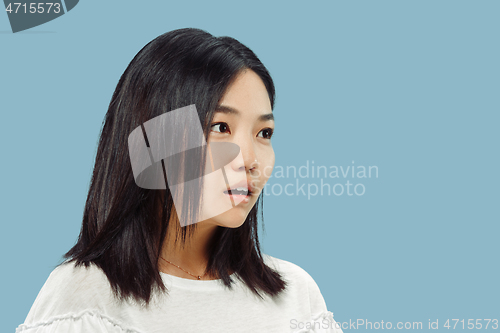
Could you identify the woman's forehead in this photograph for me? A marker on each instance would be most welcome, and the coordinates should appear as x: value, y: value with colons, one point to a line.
x: 246, y: 95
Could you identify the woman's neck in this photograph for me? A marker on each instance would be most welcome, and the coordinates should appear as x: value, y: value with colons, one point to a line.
x: 191, y: 256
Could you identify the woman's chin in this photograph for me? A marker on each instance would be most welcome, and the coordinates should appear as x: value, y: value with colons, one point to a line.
x: 232, y: 218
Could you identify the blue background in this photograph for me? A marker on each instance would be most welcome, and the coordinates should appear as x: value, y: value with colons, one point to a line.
x: 411, y: 87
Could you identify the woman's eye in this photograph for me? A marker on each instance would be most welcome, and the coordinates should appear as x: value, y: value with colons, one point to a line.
x: 220, y: 128
x: 267, y: 133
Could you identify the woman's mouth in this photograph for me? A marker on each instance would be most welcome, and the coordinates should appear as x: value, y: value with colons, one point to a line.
x: 239, y: 194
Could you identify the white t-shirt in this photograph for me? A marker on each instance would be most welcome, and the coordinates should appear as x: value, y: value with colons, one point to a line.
x: 80, y: 300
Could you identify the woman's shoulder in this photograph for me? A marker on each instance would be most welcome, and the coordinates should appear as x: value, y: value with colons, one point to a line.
x: 71, y: 291
x: 282, y: 264
x: 77, y: 274
x: 304, y: 293
x: 299, y: 280
x: 288, y: 269
x: 78, y: 282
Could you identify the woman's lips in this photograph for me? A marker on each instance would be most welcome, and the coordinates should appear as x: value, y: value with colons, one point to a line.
x: 237, y: 198
x: 239, y: 192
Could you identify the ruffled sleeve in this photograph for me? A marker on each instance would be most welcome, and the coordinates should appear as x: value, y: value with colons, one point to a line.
x: 321, y: 323
x: 326, y: 319
x: 85, y: 322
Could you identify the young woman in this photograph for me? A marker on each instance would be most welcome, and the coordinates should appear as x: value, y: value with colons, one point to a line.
x: 165, y: 258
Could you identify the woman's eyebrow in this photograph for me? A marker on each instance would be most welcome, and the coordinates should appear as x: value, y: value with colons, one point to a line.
x: 231, y: 110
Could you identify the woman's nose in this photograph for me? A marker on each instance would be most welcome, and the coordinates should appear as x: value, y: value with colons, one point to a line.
x: 247, y: 159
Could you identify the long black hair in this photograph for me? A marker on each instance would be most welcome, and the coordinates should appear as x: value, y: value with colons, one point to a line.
x: 122, y: 232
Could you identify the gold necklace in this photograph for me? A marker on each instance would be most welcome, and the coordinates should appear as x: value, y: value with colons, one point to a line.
x: 196, y: 276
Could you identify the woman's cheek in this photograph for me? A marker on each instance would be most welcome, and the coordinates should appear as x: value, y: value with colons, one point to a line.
x: 266, y: 170
x: 270, y: 166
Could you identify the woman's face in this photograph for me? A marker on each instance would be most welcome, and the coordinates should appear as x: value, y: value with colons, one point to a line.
x: 244, y: 117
